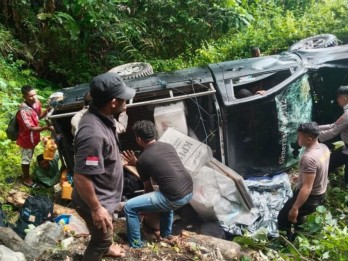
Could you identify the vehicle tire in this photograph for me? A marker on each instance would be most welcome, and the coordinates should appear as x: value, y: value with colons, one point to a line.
x: 133, y: 70
x: 314, y: 42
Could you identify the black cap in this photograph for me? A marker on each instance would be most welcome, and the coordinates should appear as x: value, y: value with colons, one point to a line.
x: 107, y: 86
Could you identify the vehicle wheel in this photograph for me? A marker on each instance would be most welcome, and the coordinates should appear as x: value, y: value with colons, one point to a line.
x: 133, y: 70
x: 314, y: 42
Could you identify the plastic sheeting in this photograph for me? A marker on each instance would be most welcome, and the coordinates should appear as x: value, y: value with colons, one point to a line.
x: 215, y: 196
x: 44, y: 236
x: 269, y: 196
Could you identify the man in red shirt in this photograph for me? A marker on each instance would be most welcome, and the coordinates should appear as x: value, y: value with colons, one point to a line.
x: 29, y: 129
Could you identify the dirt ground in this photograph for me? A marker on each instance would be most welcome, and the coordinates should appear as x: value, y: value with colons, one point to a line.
x: 178, y: 248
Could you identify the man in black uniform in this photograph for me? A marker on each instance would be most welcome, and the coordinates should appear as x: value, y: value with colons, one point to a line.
x: 98, y: 173
x: 158, y: 163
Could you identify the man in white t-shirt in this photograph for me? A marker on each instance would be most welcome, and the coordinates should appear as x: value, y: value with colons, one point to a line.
x: 338, y: 157
x: 121, y: 123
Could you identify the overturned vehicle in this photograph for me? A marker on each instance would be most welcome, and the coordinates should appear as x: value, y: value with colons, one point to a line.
x: 219, y: 123
x: 253, y: 135
x: 225, y: 132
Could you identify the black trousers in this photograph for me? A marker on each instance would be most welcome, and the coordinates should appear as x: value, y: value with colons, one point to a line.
x: 338, y: 159
x: 100, y: 242
x: 307, y: 208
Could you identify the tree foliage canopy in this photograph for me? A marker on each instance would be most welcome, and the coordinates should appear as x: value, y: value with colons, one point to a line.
x: 93, y: 35
x: 69, y: 41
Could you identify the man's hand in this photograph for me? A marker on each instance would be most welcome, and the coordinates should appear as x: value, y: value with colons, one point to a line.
x: 102, y: 219
x: 85, y: 188
x: 261, y: 92
x: 50, y: 128
x: 293, y: 213
x: 129, y: 157
x: 305, y: 191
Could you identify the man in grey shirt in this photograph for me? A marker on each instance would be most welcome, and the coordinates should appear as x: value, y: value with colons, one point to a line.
x: 98, y: 172
x: 329, y: 131
x: 312, y: 180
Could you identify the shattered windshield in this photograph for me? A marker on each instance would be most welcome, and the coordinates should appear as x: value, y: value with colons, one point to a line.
x: 294, y: 105
x: 265, y: 132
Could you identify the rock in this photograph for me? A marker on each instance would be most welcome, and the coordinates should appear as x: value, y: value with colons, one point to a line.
x: 66, y: 242
x: 46, y: 236
x: 10, y: 239
x: 7, y: 254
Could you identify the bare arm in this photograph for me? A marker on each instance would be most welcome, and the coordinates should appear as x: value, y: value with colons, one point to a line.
x: 30, y: 125
x: 43, y: 113
x: 308, y: 181
x: 41, y: 128
x: 330, y: 131
x: 131, y: 159
x: 85, y: 188
x: 122, y: 122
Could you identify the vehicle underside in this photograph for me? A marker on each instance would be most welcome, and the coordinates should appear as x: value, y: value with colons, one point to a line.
x: 254, y: 135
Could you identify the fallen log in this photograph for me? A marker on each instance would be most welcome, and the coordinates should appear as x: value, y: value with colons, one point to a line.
x: 211, y: 248
x: 59, y: 209
x: 11, y: 240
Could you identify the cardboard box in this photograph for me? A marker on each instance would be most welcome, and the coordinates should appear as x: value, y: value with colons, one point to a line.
x: 193, y: 154
x: 172, y: 115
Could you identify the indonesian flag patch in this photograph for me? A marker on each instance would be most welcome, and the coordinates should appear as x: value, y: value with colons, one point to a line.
x: 92, y: 161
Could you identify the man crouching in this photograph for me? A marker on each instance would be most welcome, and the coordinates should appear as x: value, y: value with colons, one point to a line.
x: 160, y: 163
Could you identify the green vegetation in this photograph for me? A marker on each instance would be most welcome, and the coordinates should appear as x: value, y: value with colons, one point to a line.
x: 12, y: 77
x: 273, y: 29
x: 324, y: 235
x: 49, y: 43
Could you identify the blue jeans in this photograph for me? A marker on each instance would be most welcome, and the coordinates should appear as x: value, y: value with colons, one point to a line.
x: 151, y: 202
